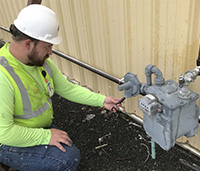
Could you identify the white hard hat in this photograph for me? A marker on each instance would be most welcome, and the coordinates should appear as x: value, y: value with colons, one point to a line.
x: 39, y: 22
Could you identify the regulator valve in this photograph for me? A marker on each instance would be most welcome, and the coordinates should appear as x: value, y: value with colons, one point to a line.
x: 131, y: 85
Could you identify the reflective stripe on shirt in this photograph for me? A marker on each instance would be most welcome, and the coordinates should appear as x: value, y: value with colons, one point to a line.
x: 27, y: 111
x: 48, y: 69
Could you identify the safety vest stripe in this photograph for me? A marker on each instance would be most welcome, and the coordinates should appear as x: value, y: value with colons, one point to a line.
x: 24, y: 94
x: 35, y: 113
x: 27, y: 110
x: 48, y: 69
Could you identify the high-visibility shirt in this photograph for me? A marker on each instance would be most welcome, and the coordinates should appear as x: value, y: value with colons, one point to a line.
x: 30, y: 130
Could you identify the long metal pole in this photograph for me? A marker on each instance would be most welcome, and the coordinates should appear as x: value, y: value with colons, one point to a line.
x: 84, y: 65
x: 5, y: 29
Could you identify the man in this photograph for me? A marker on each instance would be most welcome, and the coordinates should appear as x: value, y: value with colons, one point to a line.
x: 28, y: 80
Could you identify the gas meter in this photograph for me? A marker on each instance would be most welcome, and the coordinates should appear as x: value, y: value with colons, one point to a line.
x: 169, y: 109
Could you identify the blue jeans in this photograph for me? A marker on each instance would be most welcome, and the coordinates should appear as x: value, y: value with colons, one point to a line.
x: 41, y: 157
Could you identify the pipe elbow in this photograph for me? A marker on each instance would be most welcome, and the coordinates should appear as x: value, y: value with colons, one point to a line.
x: 148, y: 69
x: 152, y: 69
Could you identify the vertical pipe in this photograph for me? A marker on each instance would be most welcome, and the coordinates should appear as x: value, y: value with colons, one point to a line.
x: 153, y: 149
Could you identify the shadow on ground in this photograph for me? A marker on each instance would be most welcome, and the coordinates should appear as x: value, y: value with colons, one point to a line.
x: 126, y: 145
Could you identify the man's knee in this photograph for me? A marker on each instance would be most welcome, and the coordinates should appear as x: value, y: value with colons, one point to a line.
x: 73, y: 155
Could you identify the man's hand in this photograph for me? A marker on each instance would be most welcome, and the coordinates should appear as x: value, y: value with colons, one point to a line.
x: 110, y: 102
x: 58, y: 137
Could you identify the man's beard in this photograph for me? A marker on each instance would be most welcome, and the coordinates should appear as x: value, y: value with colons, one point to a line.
x: 34, y: 60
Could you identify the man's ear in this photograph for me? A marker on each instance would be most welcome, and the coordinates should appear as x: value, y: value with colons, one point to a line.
x: 29, y: 44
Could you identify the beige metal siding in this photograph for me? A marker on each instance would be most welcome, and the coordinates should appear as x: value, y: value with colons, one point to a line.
x: 117, y: 36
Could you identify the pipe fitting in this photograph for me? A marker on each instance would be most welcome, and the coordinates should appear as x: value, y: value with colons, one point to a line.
x: 131, y: 85
x: 185, y: 80
x: 151, y: 69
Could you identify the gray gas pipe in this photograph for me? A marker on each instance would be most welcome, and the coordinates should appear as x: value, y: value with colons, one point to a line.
x: 169, y: 108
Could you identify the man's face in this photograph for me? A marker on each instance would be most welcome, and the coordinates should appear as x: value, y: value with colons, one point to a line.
x: 39, y: 53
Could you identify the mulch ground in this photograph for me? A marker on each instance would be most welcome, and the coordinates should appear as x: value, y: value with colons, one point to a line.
x: 125, y: 145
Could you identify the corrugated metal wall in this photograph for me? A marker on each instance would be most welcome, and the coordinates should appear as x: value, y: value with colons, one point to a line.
x: 117, y: 36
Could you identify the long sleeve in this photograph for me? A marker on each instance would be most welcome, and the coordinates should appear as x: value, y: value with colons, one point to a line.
x: 73, y: 92
x: 19, y: 136
x: 10, y: 133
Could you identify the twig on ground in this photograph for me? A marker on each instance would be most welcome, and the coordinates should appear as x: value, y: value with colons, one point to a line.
x: 101, y: 146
